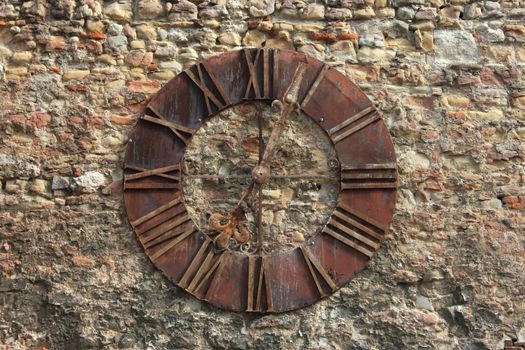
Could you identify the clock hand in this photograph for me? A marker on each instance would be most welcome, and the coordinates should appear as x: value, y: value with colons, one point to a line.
x: 260, y: 233
x: 261, y: 172
x: 230, y: 225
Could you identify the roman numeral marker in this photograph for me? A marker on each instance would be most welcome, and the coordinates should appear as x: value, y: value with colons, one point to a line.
x: 156, y: 227
x: 209, y: 96
x: 315, y: 267
x: 156, y: 212
x: 353, y: 124
x: 314, y: 86
x: 275, y: 79
x: 368, y: 176
x: 202, y: 268
x: 253, y: 65
x: 174, y: 241
x: 131, y: 184
x: 177, y: 129
x: 255, y: 284
x: 355, y: 230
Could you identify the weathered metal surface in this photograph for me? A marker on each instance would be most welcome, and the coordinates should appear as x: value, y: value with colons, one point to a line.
x: 289, y: 279
x: 511, y: 345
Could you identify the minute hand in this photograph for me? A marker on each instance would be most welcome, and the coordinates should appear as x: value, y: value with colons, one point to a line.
x: 261, y: 172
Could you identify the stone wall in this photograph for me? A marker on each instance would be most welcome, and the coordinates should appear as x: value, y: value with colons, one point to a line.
x: 448, y: 76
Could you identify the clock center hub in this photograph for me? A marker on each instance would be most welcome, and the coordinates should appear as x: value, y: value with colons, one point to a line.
x: 261, y: 174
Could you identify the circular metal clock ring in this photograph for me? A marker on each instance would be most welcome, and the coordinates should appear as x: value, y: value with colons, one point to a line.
x: 260, y: 180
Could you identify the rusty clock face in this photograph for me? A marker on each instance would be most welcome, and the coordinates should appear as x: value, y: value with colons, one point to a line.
x: 260, y: 180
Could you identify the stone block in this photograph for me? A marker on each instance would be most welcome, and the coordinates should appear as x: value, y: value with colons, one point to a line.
x: 150, y: 9
x: 89, y: 182
x: 22, y: 57
x: 229, y: 38
x: 75, y: 74
x: 119, y: 10
x: 261, y: 8
x: 456, y: 46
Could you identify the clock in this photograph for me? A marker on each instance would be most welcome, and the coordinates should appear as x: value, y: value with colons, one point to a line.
x: 260, y: 180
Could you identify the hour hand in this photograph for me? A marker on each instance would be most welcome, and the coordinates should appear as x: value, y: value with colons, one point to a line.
x: 230, y: 225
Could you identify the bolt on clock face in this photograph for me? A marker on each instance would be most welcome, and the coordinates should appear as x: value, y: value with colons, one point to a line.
x: 260, y: 180
x: 299, y: 197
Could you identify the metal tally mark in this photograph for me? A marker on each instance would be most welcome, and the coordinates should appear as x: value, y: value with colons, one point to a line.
x: 369, y: 176
x: 316, y: 268
x: 311, y: 91
x: 184, y: 133
x: 355, y: 230
x: 170, y: 181
x: 165, y: 226
x: 205, y: 269
x: 253, y: 68
x: 209, y: 96
x: 257, y: 277
x: 353, y: 124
